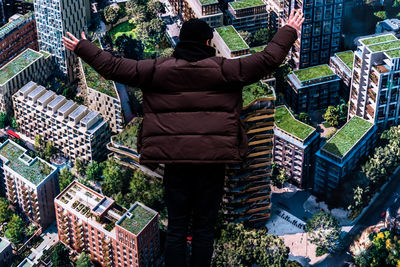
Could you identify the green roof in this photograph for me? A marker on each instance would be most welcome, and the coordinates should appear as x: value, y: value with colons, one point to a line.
x: 385, y: 46
x: 14, y: 24
x: 35, y: 173
x: 257, y: 49
x: 378, y: 39
x: 128, y: 136
x: 208, y: 2
x: 285, y: 121
x: 347, y: 136
x: 97, y: 82
x: 246, y: 3
x: 139, y: 218
x: 44, y: 53
x: 347, y: 57
x: 254, y: 91
x: 393, y: 53
x: 18, y: 64
x: 232, y: 38
x: 312, y: 73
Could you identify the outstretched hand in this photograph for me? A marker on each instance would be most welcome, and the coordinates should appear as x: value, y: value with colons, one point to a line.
x: 71, y: 42
x: 295, y: 20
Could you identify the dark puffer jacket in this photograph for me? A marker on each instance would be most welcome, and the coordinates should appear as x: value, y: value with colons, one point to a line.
x: 191, y: 109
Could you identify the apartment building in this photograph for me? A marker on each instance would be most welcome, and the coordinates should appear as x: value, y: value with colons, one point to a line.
x: 102, y: 96
x: 53, y: 19
x: 341, y: 154
x: 342, y: 64
x: 295, y: 145
x: 206, y: 10
x: 312, y: 88
x: 375, y: 84
x: 74, y: 129
x: 228, y: 43
x: 110, y: 234
x: 16, y: 36
x: 320, y: 34
x: 247, y: 15
x: 388, y: 25
x: 276, y: 11
x: 31, y: 184
x: 247, y: 197
x: 6, y: 252
x: 27, y: 66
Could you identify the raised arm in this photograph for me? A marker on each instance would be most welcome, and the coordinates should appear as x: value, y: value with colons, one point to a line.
x: 127, y: 71
x: 250, y: 69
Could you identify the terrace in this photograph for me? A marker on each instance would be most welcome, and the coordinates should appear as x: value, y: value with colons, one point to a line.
x: 347, y: 136
x: 35, y: 172
x: 378, y: 39
x: 393, y: 53
x: 18, y: 64
x: 127, y: 137
x: 285, y: 121
x: 347, y: 58
x: 254, y: 91
x: 312, y: 73
x: 136, y: 218
x: 246, y: 4
x: 385, y: 46
x: 232, y: 38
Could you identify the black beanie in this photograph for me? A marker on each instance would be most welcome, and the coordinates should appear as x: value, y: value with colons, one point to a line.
x: 195, y: 30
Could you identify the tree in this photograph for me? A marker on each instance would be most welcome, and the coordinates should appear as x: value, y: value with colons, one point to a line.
x: 167, y: 52
x: 281, y: 178
x: 3, y: 119
x: 116, y: 179
x: 332, y: 116
x: 15, y: 229
x: 14, y: 123
x: 66, y: 177
x: 111, y: 14
x: 381, y: 15
x: 262, y: 36
x: 137, y: 14
x: 156, y: 29
x: 342, y: 109
x: 247, y: 247
x: 156, y: 6
x: 84, y: 260
x: 39, y: 143
x: 60, y: 256
x: 94, y: 171
x: 143, y: 31
x: 79, y: 166
x: 50, y: 150
x: 304, y: 117
x: 246, y: 36
x: 130, y: 48
x: 324, y: 231
x: 5, y: 212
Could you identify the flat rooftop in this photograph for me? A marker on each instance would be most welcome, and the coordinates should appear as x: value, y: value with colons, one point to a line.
x: 19, y: 63
x: 208, y: 2
x: 14, y: 24
x: 393, y: 53
x: 246, y: 4
x: 128, y: 136
x: 231, y: 38
x: 378, y: 39
x: 254, y: 91
x: 347, y: 57
x: 385, y: 46
x: 312, y: 73
x: 136, y: 218
x: 347, y: 136
x: 35, y: 171
x: 285, y: 121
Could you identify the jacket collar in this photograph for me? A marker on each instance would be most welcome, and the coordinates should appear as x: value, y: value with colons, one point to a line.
x: 193, y: 51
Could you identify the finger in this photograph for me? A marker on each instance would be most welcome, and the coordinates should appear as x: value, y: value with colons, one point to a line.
x: 296, y: 15
x: 69, y: 41
x: 83, y: 35
x: 291, y: 14
x: 72, y: 36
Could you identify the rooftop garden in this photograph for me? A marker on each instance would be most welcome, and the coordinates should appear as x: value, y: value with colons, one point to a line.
x: 128, y: 136
x: 347, y: 57
x: 385, y: 46
x: 208, y: 2
x: 347, y: 136
x: 44, y: 53
x: 254, y: 91
x: 285, y: 121
x: 232, y: 38
x: 246, y: 3
x: 18, y: 64
x: 140, y: 217
x: 378, y: 39
x: 393, y: 53
x: 257, y: 49
x: 13, y: 24
x: 313, y: 72
x: 34, y: 173
x: 97, y: 82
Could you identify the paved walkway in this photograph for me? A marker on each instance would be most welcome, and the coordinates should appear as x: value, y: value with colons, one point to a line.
x: 50, y: 238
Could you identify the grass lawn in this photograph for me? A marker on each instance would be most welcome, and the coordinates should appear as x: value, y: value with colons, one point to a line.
x: 254, y: 91
x: 285, y: 121
x: 347, y: 57
x: 246, y: 3
x: 123, y: 28
x: 379, y: 39
x: 393, y: 53
x: 384, y: 46
x: 313, y: 72
x: 232, y: 38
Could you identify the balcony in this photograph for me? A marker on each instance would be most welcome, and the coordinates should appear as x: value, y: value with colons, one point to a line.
x: 372, y: 94
x: 370, y: 110
x: 381, y: 68
x: 373, y: 78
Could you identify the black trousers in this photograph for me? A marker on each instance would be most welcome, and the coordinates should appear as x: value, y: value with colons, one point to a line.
x: 193, y: 191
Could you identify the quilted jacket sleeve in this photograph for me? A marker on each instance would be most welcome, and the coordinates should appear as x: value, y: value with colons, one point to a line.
x: 250, y: 69
x: 135, y: 73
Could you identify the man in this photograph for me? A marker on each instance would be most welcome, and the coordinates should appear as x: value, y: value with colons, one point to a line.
x: 191, y: 104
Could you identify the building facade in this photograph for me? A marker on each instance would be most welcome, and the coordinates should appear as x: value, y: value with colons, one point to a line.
x: 27, y: 66
x: 247, y: 15
x: 312, y: 88
x: 110, y: 234
x: 295, y: 145
x: 6, y: 252
x: 228, y: 43
x: 341, y: 154
x: 342, y: 64
x: 31, y: 184
x: 54, y: 18
x: 74, y: 129
x: 375, y: 84
x: 388, y: 25
x: 16, y: 36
